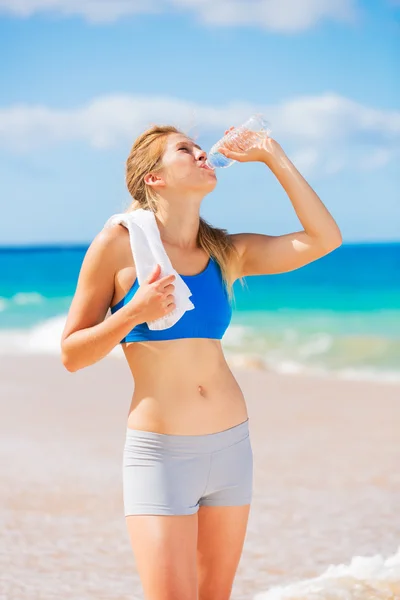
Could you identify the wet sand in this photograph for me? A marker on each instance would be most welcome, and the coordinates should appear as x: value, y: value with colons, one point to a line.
x: 326, y: 488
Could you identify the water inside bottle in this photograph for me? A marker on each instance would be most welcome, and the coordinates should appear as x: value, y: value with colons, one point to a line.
x: 216, y: 159
x: 238, y: 140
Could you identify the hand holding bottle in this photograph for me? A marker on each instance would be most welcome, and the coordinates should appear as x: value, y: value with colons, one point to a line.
x: 249, y: 142
x: 254, y: 148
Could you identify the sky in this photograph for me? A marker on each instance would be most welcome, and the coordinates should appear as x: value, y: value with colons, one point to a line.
x: 81, y: 79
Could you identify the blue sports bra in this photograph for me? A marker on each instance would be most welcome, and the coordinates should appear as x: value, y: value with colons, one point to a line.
x: 209, y: 318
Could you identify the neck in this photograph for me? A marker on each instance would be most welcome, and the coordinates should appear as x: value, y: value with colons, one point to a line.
x: 179, y: 222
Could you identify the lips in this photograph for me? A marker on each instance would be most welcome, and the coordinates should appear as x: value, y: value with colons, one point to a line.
x: 205, y: 166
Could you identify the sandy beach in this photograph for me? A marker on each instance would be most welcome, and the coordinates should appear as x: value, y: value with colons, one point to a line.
x: 327, y: 479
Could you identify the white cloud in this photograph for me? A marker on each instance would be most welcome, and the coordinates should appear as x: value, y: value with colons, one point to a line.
x: 91, y: 10
x: 279, y: 15
x: 326, y: 133
x: 378, y: 158
x: 103, y: 123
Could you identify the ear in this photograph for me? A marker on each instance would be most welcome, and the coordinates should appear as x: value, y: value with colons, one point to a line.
x: 154, y: 179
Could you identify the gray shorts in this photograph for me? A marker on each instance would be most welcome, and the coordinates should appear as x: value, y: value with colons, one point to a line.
x: 176, y: 474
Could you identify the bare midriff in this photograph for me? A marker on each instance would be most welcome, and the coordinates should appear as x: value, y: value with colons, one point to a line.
x: 183, y: 387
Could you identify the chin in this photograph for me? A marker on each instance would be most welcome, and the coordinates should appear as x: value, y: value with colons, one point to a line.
x: 205, y: 187
x: 211, y: 184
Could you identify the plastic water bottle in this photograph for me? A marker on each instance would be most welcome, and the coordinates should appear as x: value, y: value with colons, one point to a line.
x: 238, y: 140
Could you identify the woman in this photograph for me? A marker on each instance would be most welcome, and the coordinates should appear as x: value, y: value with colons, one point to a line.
x: 187, y: 460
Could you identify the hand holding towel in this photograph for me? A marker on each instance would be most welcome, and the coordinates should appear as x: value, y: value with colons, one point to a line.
x: 148, y: 250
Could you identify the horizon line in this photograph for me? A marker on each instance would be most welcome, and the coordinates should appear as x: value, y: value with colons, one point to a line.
x: 85, y: 245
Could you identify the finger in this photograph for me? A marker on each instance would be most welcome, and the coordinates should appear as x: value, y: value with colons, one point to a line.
x: 154, y: 274
x: 231, y: 154
x: 166, y: 280
x: 170, y: 308
x: 167, y: 303
x: 169, y: 289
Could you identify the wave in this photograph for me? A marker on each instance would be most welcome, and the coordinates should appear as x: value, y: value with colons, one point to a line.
x: 246, y: 361
x: 43, y: 338
x: 301, y: 351
x: 287, y: 353
x: 366, y: 578
x: 21, y: 299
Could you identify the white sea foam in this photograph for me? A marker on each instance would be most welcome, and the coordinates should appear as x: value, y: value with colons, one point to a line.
x: 366, y: 578
x: 22, y: 299
x: 43, y: 338
x: 235, y: 335
x: 318, y: 344
x: 243, y: 349
x: 27, y: 298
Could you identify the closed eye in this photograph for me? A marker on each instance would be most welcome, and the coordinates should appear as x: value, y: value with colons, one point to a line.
x: 184, y: 148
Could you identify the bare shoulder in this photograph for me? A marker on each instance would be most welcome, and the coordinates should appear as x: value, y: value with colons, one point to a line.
x: 111, y: 236
x: 109, y: 246
x: 104, y: 259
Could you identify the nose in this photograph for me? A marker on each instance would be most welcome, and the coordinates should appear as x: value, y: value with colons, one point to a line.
x: 202, y: 156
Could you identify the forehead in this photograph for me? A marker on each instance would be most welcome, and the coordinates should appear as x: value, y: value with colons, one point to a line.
x: 174, y: 139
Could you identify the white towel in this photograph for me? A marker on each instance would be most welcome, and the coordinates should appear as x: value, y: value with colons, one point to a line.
x: 148, y: 250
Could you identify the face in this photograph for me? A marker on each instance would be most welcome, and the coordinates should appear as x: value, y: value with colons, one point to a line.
x: 184, y: 166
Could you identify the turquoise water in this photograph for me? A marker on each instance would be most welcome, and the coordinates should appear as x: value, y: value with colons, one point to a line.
x: 340, y: 314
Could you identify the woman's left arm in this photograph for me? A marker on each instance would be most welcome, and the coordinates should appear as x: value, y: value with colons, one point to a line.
x: 266, y: 254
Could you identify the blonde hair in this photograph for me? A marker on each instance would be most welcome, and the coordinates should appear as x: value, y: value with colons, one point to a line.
x: 146, y: 156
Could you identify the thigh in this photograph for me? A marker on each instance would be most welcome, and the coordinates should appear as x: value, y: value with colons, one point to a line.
x: 158, y: 480
x: 221, y: 535
x: 164, y: 548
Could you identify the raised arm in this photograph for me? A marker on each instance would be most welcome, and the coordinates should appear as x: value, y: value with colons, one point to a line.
x: 262, y: 254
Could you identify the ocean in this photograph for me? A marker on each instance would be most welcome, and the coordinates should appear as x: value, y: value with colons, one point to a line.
x: 339, y: 315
